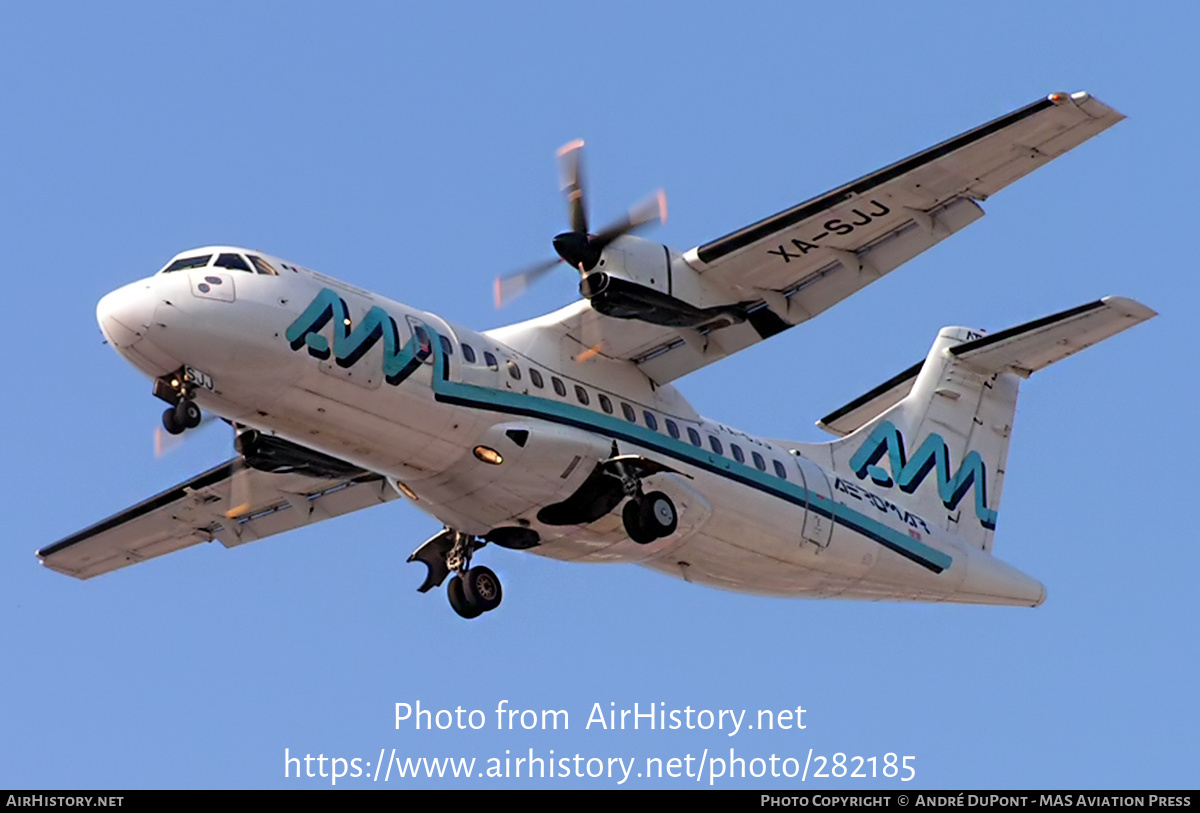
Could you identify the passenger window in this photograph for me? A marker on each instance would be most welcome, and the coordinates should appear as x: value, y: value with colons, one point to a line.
x: 490, y: 360
x: 263, y: 266
x: 184, y: 263
x: 536, y: 378
x: 672, y: 429
x: 737, y: 453
x: 651, y: 421
x: 715, y: 444
x: 606, y: 404
x: 759, y: 463
x: 233, y: 262
x: 447, y: 347
x: 693, y: 436
x: 559, y: 387
x: 628, y: 412
x: 469, y: 353
x: 514, y: 371
x: 581, y: 394
x: 779, y: 470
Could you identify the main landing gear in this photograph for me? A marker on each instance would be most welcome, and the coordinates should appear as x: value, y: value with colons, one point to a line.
x: 647, y: 517
x: 650, y: 517
x: 472, y: 591
x: 475, y: 592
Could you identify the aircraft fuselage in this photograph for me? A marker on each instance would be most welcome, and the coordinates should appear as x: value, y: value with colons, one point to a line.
x: 391, y: 389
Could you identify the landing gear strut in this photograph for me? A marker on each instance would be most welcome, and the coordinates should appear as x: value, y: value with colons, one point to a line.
x: 472, y: 591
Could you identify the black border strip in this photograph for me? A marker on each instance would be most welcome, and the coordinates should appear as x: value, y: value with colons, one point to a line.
x: 1008, y: 333
x: 208, y: 478
x: 789, y: 217
x: 835, y: 517
x: 532, y: 412
x: 871, y: 395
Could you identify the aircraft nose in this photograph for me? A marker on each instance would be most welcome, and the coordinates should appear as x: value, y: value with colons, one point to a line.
x: 125, y: 315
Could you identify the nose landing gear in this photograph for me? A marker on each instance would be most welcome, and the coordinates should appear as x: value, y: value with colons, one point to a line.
x: 184, y: 415
x: 472, y: 591
x: 176, y: 389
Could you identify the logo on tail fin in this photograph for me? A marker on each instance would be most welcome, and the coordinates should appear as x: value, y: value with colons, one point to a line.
x: 908, y: 473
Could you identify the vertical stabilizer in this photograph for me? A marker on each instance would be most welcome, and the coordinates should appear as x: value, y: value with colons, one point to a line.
x: 941, y: 429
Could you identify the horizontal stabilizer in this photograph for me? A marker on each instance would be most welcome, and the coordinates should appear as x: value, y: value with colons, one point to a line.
x: 1022, y: 350
x: 843, y: 421
x: 1027, y: 348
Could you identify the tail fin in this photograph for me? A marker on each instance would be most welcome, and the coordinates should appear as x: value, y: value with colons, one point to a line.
x: 957, y: 407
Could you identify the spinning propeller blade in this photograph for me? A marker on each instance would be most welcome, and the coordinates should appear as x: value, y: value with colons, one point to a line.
x: 508, y: 288
x: 165, y: 442
x: 239, y: 490
x: 578, y: 247
x: 240, y: 496
x: 570, y: 173
x: 651, y: 210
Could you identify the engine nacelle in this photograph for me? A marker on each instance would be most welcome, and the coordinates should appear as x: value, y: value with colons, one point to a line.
x: 275, y: 455
x: 640, y: 279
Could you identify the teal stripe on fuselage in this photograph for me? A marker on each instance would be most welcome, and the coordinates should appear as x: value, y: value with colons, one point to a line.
x: 533, y: 406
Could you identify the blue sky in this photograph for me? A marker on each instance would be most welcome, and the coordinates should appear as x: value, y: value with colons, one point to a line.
x: 409, y: 149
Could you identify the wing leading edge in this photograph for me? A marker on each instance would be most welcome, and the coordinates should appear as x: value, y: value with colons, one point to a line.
x: 230, y: 503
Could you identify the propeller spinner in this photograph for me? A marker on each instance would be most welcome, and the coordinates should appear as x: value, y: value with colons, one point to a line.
x: 579, y: 247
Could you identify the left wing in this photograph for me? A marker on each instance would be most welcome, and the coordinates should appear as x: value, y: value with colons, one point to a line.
x: 230, y: 503
x: 723, y: 296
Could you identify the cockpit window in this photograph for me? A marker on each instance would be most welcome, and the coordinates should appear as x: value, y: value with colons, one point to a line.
x: 234, y: 262
x: 183, y: 263
x: 262, y: 265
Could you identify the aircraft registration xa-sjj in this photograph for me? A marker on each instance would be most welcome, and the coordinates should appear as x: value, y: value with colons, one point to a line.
x: 563, y: 435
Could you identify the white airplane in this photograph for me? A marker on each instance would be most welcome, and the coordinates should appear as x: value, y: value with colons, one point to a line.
x: 563, y: 435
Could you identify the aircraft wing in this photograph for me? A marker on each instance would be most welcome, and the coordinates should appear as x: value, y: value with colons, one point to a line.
x: 230, y: 503
x: 788, y: 268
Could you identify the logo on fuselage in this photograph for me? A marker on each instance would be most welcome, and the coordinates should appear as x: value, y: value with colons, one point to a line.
x: 909, y: 472
x: 399, y: 361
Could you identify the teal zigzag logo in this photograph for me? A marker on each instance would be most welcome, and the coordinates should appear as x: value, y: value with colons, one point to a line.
x: 910, y: 472
x: 399, y: 361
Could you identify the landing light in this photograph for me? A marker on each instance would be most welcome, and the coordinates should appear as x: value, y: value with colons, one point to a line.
x: 488, y: 455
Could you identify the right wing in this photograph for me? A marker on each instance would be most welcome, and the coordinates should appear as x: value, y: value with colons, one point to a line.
x: 921, y: 191
x: 231, y: 503
x: 788, y: 268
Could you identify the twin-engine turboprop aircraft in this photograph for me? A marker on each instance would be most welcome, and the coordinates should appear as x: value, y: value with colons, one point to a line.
x: 564, y: 436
